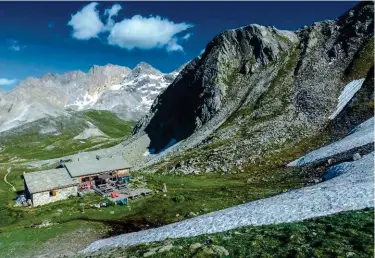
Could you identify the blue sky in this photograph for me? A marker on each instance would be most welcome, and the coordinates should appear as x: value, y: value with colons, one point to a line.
x: 41, y: 37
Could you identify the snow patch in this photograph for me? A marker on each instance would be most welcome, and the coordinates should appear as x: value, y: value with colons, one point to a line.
x: 90, y: 124
x: 346, y: 95
x: 155, y: 77
x: 116, y: 86
x: 89, y: 133
x: 87, y: 101
x: 361, y: 135
x: 48, y: 130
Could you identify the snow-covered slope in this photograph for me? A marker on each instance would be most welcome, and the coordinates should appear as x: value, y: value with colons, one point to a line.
x: 128, y: 93
x: 361, y: 135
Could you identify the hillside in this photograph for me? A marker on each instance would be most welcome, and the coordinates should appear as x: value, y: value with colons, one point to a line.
x: 54, y: 137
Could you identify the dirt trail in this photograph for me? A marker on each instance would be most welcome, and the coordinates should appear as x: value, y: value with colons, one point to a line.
x: 6, y: 181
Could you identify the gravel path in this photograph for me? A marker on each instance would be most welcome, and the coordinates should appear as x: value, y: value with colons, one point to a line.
x: 351, y: 189
x: 6, y: 181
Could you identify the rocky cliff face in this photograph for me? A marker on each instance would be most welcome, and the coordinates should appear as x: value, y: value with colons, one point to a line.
x: 258, y: 90
x: 206, y: 84
x: 128, y: 93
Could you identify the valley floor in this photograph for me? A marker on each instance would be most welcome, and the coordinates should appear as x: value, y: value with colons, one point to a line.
x: 187, y: 195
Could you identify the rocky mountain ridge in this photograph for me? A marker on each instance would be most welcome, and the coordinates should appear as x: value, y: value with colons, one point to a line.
x: 126, y: 92
x: 258, y: 91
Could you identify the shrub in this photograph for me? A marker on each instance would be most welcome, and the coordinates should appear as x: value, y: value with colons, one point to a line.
x: 179, y: 198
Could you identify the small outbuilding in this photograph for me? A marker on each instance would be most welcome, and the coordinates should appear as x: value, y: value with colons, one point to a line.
x: 48, y: 186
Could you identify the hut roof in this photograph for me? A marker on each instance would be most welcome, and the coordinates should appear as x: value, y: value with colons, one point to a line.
x: 47, y: 180
x: 96, y: 166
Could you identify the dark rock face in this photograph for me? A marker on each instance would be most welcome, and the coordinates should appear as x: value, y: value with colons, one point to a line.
x: 281, y: 86
x: 202, y: 88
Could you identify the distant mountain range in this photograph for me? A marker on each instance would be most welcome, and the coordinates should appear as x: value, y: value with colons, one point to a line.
x: 126, y: 92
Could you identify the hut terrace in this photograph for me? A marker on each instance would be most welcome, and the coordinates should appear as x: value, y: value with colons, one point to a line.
x: 57, y: 184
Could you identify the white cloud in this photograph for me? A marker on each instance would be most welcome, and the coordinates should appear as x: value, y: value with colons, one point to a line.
x: 4, y: 81
x: 173, y: 46
x: 202, y: 51
x: 136, y: 32
x: 15, y: 46
x: 146, y: 33
x: 187, y: 36
x: 86, y: 23
x: 111, y: 13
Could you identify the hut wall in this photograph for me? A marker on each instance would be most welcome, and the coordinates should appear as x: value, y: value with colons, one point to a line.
x: 45, y: 197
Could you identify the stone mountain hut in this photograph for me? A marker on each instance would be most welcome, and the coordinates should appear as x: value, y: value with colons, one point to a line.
x: 48, y: 186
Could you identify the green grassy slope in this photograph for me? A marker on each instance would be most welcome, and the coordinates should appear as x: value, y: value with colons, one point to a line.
x: 348, y: 234
x: 27, y: 143
x: 109, y: 123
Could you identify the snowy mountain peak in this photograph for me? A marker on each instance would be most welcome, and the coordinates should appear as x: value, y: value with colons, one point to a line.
x: 109, y: 69
x: 145, y: 66
x: 128, y: 93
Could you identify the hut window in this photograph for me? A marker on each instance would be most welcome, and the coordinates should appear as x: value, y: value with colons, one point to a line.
x: 52, y: 193
x: 85, y: 179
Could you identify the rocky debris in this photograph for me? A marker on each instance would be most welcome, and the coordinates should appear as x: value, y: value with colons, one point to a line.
x: 356, y: 156
x: 160, y: 249
x: 192, y: 214
x: 195, y: 246
x: 207, y: 251
x: 148, y: 254
x: 165, y: 248
x: 220, y: 250
x: 45, y: 223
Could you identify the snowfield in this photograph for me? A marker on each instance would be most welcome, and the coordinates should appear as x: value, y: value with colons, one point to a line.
x: 352, y: 189
x: 346, y: 95
x: 361, y: 135
x: 89, y: 133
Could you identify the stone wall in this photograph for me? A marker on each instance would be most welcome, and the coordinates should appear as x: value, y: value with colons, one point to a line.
x: 44, y: 197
